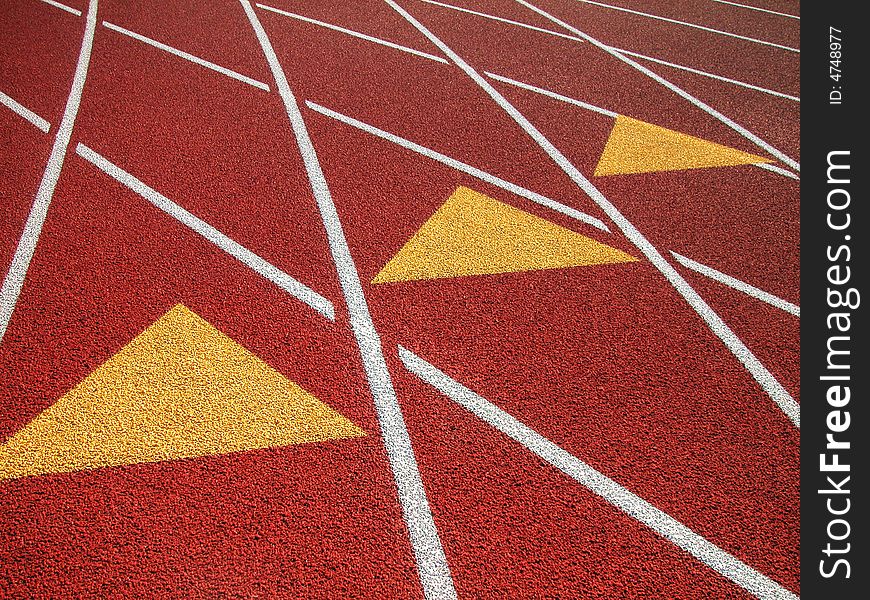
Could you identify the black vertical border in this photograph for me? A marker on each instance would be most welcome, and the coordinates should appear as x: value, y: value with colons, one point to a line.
x: 827, y: 127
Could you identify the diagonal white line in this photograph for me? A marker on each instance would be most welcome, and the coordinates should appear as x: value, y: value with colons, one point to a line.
x: 741, y: 286
x: 548, y: 93
x: 14, y: 280
x: 692, y: 25
x: 764, y: 10
x: 259, y: 265
x: 631, y: 504
x: 194, y: 59
x: 461, y: 166
x: 649, y: 58
x: 706, y: 74
x: 69, y: 9
x: 775, y: 169
x: 758, y: 371
x: 432, y: 567
x: 355, y: 34
x: 25, y: 113
x: 604, y: 111
x: 679, y: 91
x: 503, y: 20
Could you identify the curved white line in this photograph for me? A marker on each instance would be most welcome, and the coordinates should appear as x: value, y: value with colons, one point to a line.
x: 14, y: 280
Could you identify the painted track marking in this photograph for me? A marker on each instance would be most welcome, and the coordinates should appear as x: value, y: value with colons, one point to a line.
x: 549, y: 94
x: 634, y: 506
x: 758, y: 371
x: 25, y: 113
x: 677, y: 90
x: 706, y: 74
x: 355, y: 34
x: 434, y: 572
x: 692, y: 25
x: 579, y: 39
x: 64, y: 7
x: 503, y: 20
x: 190, y: 57
x: 614, y: 51
x: 764, y: 10
x: 14, y: 280
x: 461, y: 166
x: 736, y: 284
x: 604, y: 111
x: 256, y: 263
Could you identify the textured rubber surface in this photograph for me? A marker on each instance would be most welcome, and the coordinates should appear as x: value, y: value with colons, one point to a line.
x: 571, y: 329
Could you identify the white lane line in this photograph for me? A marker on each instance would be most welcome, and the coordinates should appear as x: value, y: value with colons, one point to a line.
x: 779, y: 170
x: 738, y: 285
x: 355, y: 34
x: 604, y: 111
x: 25, y: 113
x: 631, y: 504
x: 194, y: 59
x: 649, y: 58
x: 503, y: 20
x: 706, y: 74
x: 758, y: 371
x: 461, y: 166
x: 692, y: 25
x: 14, y: 280
x: 258, y: 264
x: 548, y: 93
x: 679, y: 91
x: 432, y: 567
x: 69, y: 9
x: 772, y: 12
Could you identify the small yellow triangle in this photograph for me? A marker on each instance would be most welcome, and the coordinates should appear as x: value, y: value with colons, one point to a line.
x: 180, y: 389
x: 638, y: 147
x: 473, y: 234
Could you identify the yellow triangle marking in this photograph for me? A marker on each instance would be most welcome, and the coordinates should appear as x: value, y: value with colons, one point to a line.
x: 180, y: 389
x: 472, y: 234
x: 638, y: 147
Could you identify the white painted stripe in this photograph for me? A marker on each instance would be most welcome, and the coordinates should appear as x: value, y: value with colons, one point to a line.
x: 679, y: 91
x: 14, y: 280
x: 692, y: 25
x: 550, y: 94
x: 604, y: 111
x: 432, y: 567
x: 706, y: 74
x: 69, y: 9
x: 772, y: 12
x: 631, y: 504
x: 579, y: 39
x: 779, y: 170
x: 503, y: 20
x: 258, y: 264
x: 25, y: 113
x: 463, y: 167
x: 738, y: 285
x: 355, y: 34
x: 194, y: 59
x: 764, y: 378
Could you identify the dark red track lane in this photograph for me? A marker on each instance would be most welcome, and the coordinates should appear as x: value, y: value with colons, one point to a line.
x: 514, y: 527
x: 263, y: 522
x: 40, y: 47
x: 730, y: 57
x: 23, y: 154
x: 615, y: 344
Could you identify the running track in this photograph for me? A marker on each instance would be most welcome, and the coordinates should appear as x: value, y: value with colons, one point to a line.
x: 623, y: 429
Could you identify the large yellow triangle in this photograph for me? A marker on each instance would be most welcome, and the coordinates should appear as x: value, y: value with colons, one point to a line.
x: 638, y: 147
x: 472, y: 234
x: 180, y: 389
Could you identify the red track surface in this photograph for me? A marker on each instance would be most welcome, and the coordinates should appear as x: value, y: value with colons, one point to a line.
x: 608, y: 362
